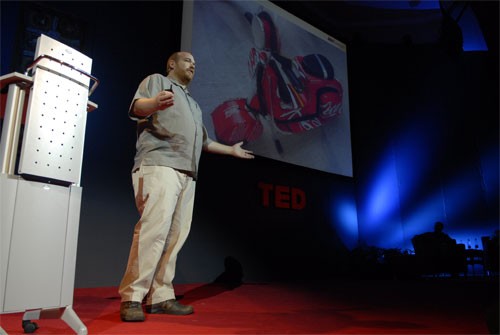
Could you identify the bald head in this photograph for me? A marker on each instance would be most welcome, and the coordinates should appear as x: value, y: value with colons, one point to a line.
x: 180, y: 66
x: 174, y: 58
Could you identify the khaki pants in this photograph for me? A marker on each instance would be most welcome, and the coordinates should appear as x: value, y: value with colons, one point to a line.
x: 164, y: 198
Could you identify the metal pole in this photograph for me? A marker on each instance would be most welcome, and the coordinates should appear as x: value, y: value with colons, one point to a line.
x: 11, y: 128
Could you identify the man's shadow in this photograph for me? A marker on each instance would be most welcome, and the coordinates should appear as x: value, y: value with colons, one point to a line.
x: 231, y: 278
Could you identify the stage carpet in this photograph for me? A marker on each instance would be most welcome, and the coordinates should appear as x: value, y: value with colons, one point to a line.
x: 435, y: 306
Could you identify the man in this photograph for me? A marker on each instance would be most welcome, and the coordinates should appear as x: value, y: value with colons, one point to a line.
x: 440, y: 237
x: 170, y: 138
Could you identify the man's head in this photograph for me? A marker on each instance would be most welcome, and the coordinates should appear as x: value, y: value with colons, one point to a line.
x: 438, y: 227
x: 181, y: 66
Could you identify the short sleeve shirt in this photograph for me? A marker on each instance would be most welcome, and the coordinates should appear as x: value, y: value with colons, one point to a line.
x: 174, y: 136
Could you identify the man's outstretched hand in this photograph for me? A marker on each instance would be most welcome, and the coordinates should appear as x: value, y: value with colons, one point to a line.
x: 235, y: 150
x: 238, y: 151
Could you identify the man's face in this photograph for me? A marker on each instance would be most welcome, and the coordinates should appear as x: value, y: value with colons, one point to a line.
x: 183, y: 68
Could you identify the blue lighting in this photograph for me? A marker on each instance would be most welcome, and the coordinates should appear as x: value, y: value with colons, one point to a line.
x: 407, y: 194
x: 383, y: 199
x: 400, y: 5
x: 489, y: 171
x: 348, y: 217
x: 343, y: 213
x: 473, y: 39
x: 451, y: 209
x: 424, y: 216
x: 415, y: 148
x: 379, y: 211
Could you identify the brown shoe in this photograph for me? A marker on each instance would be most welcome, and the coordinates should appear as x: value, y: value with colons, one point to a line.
x: 131, y: 311
x: 171, y: 306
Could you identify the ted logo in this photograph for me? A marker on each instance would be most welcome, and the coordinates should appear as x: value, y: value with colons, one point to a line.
x: 284, y: 196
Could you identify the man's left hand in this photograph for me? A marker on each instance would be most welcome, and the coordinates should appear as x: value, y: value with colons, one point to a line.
x: 238, y: 151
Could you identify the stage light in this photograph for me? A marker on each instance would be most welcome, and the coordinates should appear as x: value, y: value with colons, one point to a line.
x: 383, y: 197
x: 345, y: 218
x: 346, y: 211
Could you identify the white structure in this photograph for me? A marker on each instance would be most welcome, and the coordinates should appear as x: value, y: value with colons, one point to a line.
x: 40, y: 205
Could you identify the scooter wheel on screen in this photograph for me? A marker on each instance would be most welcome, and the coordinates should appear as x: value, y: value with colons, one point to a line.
x: 29, y: 327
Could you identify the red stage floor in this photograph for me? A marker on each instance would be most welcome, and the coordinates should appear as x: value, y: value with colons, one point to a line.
x: 441, y: 306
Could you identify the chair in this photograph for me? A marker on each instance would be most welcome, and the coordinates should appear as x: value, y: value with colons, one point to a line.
x: 475, y: 257
x: 437, y: 255
x: 491, y: 255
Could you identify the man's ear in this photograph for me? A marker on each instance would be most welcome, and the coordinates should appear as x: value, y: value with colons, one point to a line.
x: 171, y: 64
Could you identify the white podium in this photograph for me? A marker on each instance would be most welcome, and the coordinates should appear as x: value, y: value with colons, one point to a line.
x: 40, y: 205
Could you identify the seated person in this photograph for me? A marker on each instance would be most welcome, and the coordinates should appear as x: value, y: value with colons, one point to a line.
x: 439, y: 236
x: 437, y: 252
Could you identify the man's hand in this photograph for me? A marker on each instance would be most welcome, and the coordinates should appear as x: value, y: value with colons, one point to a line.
x: 164, y: 99
x: 148, y: 106
x: 235, y: 150
x: 238, y: 151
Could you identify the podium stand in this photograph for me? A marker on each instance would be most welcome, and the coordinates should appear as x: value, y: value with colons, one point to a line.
x: 40, y: 205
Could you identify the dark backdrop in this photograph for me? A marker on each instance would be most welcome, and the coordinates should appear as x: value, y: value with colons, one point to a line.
x: 425, y: 148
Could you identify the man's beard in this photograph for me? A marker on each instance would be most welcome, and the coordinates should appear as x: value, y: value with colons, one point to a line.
x: 187, y: 77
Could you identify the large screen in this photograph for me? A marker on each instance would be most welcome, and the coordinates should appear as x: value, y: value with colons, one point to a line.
x: 271, y: 80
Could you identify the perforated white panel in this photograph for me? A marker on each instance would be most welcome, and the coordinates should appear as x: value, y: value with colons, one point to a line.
x: 56, y: 49
x: 55, y: 128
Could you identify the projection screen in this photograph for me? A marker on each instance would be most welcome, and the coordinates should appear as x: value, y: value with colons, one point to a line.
x: 271, y: 80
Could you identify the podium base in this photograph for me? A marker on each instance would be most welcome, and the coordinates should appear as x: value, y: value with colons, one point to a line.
x: 67, y: 314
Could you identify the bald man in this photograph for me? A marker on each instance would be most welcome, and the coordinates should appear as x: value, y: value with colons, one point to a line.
x: 170, y: 138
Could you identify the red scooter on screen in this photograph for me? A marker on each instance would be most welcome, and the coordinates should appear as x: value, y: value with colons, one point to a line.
x: 291, y: 95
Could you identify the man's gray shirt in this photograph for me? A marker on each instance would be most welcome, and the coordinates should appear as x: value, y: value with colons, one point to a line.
x: 173, y: 136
